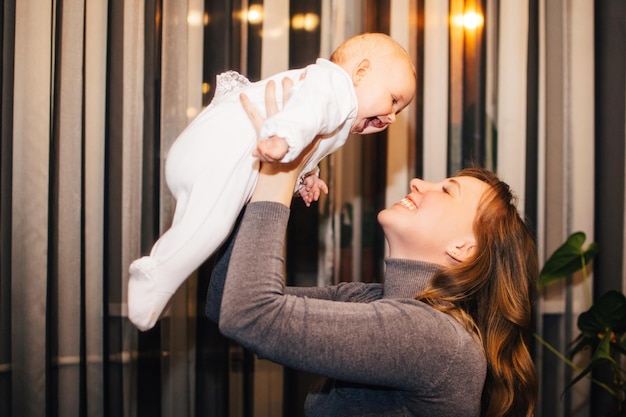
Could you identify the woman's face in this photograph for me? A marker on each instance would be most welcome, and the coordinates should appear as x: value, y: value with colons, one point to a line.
x: 434, y: 223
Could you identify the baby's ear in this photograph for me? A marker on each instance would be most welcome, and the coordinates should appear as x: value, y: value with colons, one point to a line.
x: 461, y: 251
x: 361, y: 70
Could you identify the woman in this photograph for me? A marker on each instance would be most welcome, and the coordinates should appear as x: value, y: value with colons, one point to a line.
x: 445, y: 335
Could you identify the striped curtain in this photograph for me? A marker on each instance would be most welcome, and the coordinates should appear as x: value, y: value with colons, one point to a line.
x: 73, y: 147
x: 52, y: 199
x: 94, y: 92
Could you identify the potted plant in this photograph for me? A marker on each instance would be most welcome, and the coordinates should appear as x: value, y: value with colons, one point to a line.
x: 602, y: 327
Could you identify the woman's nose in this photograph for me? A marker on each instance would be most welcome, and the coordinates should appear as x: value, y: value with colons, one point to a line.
x: 419, y: 185
x: 391, y: 118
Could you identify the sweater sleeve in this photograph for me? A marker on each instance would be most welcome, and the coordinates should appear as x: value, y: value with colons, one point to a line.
x: 353, y: 292
x: 345, y: 291
x: 400, y: 344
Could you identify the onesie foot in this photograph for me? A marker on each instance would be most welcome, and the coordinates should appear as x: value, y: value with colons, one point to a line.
x: 146, y: 301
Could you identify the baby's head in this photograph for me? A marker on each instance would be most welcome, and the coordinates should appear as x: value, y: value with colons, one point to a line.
x: 383, y: 75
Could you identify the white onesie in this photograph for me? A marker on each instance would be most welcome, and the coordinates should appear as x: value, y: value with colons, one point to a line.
x: 211, y: 172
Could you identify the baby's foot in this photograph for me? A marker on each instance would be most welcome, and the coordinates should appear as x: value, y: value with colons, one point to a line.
x: 146, y: 301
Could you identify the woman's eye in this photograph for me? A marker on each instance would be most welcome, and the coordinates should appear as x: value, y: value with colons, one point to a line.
x: 394, y: 100
x: 445, y: 189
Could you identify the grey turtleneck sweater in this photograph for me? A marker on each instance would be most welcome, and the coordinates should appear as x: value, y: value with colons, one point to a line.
x: 390, y: 354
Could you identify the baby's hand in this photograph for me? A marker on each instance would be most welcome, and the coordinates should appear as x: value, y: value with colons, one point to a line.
x: 311, y: 187
x: 272, y: 149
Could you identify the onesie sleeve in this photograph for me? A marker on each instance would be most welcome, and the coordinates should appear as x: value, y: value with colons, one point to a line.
x: 321, y: 104
x: 401, y: 344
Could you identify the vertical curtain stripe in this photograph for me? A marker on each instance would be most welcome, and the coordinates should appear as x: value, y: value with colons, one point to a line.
x: 195, y: 33
x: 436, y: 41
x: 556, y: 328
x: 122, y: 165
x: 491, y: 81
x: 132, y: 134
x: 399, y: 155
x: 7, y: 38
x: 67, y: 245
x: 569, y: 157
x: 512, y: 77
x: 174, y: 331
x: 456, y: 92
x: 277, y: 24
x: 93, y: 183
x: 581, y: 90
x: 31, y: 150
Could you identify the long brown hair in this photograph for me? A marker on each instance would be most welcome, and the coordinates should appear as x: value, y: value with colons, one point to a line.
x: 492, y: 295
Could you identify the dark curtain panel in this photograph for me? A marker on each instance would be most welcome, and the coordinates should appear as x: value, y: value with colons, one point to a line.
x: 302, y: 231
x: 113, y: 211
x: 376, y: 18
x: 610, y: 141
x: 226, y: 41
x: 149, y: 379
x: 418, y: 102
x: 7, y: 42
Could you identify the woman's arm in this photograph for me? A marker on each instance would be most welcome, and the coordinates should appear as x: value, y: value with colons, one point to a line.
x: 356, y: 292
x: 275, y: 184
x: 387, y: 343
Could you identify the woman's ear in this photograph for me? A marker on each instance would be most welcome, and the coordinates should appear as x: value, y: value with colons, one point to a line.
x: 461, y: 251
x: 361, y: 70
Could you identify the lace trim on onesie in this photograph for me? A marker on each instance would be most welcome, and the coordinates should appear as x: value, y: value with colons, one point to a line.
x: 230, y: 81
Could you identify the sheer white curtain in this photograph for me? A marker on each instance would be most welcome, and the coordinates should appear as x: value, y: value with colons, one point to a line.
x: 566, y: 180
x: 75, y: 205
x: 32, y: 109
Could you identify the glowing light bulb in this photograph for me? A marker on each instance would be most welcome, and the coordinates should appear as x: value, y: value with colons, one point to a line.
x: 469, y: 20
x: 255, y: 14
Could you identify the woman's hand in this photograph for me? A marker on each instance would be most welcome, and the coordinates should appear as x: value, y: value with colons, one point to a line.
x: 276, y: 180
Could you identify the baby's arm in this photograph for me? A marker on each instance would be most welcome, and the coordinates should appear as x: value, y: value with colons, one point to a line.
x: 272, y: 149
x: 311, y: 187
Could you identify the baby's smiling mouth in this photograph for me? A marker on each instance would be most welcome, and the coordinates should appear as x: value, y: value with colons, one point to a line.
x: 376, y: 122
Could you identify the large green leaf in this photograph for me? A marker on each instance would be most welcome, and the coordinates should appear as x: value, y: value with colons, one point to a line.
x: 567, y: 259
x: 608, y: 313
x: 601, y: 355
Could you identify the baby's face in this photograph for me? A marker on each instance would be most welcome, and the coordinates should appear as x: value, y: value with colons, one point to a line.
x: 382, y: 92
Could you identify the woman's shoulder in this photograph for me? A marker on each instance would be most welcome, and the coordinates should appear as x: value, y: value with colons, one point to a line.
x: 467, y: 360
x: 440, y: 337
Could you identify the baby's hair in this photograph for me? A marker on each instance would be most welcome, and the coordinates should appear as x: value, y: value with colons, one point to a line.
x: 368, y: 45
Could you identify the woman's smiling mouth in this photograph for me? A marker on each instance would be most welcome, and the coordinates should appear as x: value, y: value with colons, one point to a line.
x: 408, y: 203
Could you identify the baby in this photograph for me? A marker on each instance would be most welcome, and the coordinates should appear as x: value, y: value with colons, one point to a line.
x: 212, y: 167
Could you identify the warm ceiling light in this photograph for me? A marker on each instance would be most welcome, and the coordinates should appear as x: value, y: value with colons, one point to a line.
x: 255, y: 14
x: 469, y: 20
x: 308, y: 21
x: 195, y: 18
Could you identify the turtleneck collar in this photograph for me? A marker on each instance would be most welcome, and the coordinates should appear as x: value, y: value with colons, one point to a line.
x: 405, y: 278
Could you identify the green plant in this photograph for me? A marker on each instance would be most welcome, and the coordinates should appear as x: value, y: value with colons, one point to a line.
x: 602, y: 326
